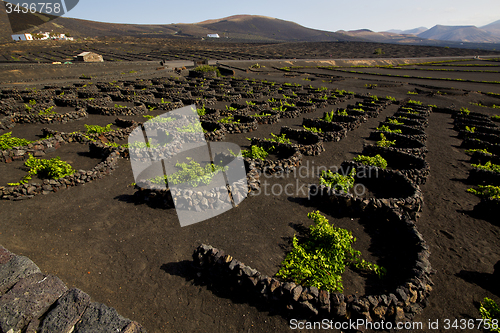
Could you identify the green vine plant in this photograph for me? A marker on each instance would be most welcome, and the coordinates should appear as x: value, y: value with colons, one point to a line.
x: 386, y: 128
x: 337, y: 181
x: 229, y: 120
x: 383, y: 142
x: 191, y: 173
x: 488, y: 167
x: 96, y: 129
x: 120, y: 106
x: 279, y: 138
x: 256, y: 152
x: 486, y: 191
x: 313, y: 129
x: 377, y: 160
x: 495, y: 117
x: 51, y: 169
x: 395, y: 122
x: 472, y: 151
x: 47, y: 111
x: 414, y: 102
x: 490, y: 312
x: 191, y: 128
x: 322, y: 258
x: 329, y: 116
x: 154, y: 119
x: 464, y: 111
x: 470, y: 129
x: 201, y: 111
x: 7, y: 141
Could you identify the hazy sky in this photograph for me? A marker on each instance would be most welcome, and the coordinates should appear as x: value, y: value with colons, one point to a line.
x: 376, y: 15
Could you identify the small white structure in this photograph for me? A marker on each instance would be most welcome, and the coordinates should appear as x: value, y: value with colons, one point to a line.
x: 22, y: 37
x: 213, y: 35
x: 89, y: 57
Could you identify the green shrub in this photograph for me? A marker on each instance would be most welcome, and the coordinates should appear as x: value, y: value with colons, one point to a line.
x: 47, y: 111
x: 386, y: 128
x: 392, y: 99
x: 279, y: 139
x: 490, y: 312
x: 377, y: 160
x: 190, y: 128
x: 464, y: 111
x: 229, y: 120
x: 313, y: 129
x: 488, y: 166
x: 383, y: 142
x: 414, y: 102
x: 495, y: 117
x: 412, y: 93
x: 486, y: 191
x: 329, y: 116
x: 470, y: 129
x: 471, y: 151
x: 201, y: 111
x: 96, y: 129
x: 394, y: 121
x: 191, y: 173
x: 337, y: 181
x: 7, y: 141
x: 52, y: 169
x: 256, y: 153
x: 321, y: 259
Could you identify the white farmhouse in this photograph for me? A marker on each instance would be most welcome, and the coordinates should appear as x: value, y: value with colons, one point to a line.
x: 22, y: 37
x: 213, y: 35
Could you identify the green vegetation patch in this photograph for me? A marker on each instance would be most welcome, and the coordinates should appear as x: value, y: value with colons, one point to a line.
x: 51, y: 169
x: 321, y: 260
x: 377, y: 160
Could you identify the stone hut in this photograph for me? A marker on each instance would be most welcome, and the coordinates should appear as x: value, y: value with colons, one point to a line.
x: 89, y: 57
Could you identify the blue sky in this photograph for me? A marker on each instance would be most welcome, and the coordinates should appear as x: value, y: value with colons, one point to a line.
x: 376, y: 15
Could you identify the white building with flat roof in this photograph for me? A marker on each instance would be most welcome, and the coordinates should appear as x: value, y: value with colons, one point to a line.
x: 213, y: 35
x: 22, y: 37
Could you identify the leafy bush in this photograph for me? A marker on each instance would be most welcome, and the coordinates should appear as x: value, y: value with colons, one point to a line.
x: 321, y: 260
x: 337, y: 181
x: 392, y: 99
x: 256, y: 153
x: 484, y: 151
x: 279, y: 139
x: 191, y: 128
x: 464, y: 111
x: 383, y: 142
x: 120, y: 106
x: 206, y: 68
x: 488, y: 166
x: 192, y: 173
x: 47, y: 111
x: 342, y: 113
x: 470, y: 129
x: 394, y: 121
x: 386, y: 128
x: 495, y: 117
x: 412, y: 93
x: 96, y: 129
x: 52, y: 169
x: 486, y: 191
x: 377, y: 161
x: 329, y: 116
x: 313, y: 129
x: 414, y: 102
x: 201, y: 111
x: 490, y: 312
x: 7, y: 141
x: 229, y: 120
